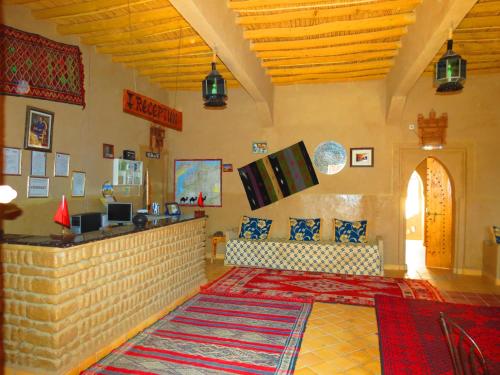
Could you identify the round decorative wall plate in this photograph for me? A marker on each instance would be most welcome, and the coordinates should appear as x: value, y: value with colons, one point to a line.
x: 329, y: 157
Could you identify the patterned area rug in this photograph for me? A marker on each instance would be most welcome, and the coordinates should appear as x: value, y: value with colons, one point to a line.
x: 317, y: 286
x: 215, y: 335
x: 412, y: 342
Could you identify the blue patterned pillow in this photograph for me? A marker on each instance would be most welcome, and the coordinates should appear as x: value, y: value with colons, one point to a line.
x: 496, y: 232
x: 253, y: 228
x: 305, y: 229
x: 350, y: 231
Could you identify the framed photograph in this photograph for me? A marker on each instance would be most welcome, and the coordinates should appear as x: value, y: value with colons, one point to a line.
x: 78, y: 184
x: 38, y: 187
x: 259, y: 147
x: 227, y: 167
x: 12, y: 161
x: 61, y: 165
x: 172, y: 209
x: 39, y: 128
x: 362, y: 157
x: 195, y: 176
x: 38, y: 163
x: 108, y: 151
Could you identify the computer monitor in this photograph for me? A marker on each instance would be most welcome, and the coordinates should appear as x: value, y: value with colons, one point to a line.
x: 119, y: 213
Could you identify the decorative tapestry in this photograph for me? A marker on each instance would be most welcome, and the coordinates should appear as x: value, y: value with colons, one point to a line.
x: 37, y: 67
x: 278, y: 175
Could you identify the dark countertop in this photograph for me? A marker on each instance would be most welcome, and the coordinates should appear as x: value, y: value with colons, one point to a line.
x: 98, y: 235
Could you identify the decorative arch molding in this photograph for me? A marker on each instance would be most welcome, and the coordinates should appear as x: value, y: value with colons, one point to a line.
x: 455, y: 160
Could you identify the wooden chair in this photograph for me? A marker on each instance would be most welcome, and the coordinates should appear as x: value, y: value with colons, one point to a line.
x: 465, y: 354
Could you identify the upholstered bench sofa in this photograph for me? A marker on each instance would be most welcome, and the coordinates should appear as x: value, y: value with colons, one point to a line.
x: 316, y: 256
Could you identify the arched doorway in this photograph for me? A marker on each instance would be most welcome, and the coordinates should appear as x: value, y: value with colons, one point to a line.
x: 432, y: 206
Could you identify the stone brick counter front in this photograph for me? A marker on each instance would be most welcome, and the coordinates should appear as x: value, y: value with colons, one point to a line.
x: 66, y: 307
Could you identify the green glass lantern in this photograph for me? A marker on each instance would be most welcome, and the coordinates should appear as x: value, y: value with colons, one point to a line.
x: 214, y: 89
x: 450, y: 71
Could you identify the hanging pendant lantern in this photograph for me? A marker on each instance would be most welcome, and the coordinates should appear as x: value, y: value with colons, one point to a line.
x: 450, y: 71
x: 214, y: 89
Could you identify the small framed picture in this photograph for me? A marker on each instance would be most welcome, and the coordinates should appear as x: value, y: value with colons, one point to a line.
x: 227, y: 167
x: 12, y: 161
x: 61, y: 165
x: 108, y: 151
x: 39, y: 128
x: 259, y: 147
x: 172, y: 209
x: 362, y: 157
x: 38, y: 187
x: 78, y: 184
x: 38, y: 163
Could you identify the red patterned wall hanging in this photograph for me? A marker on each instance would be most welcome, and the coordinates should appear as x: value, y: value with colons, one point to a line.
x: 37, y: 67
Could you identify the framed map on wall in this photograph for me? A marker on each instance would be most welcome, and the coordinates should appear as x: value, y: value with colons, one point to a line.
x: 195, y: 176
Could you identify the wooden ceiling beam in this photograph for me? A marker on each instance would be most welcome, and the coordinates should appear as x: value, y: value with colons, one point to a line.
x: 18, y: 2
x: 399, y: 6
x: 85, y: 8
x: 173, y: 62
x: 330, y: 51
x: 251, y: 4
x: 215, y: 23
x: 118, y: 22
x: 485, y: 71
x: 473, y: 36
x: 332, y: 27
x: 329, y: 41
x: 332, y: 80
x: 175, y: 26
x: 480, y: 22
x: 184, y: 77
x: 290, y: 78
x: 332, y: 68
x: 420, y: 45
x: 137, y: 57
x: 154, y: 46
x: 481, y: 8
x: 472, y: 47
x: 201, y: 69
x: 349, y: 58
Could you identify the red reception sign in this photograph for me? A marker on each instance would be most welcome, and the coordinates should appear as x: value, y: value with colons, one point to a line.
x: 149, y: 109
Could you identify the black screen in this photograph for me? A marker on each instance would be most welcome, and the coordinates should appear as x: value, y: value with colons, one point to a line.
x: 119, y: 212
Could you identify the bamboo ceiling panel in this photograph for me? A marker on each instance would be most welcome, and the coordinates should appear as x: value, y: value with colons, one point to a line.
x: 149, y: 36
x: 318, y: 41
x: 477, y: 39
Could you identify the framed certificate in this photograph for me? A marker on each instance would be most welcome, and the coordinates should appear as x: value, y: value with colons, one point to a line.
x: 12, y: 161
x: 78, y: 184
x: 61, y: 165
x: 38, y: 187
x: 38, y: 163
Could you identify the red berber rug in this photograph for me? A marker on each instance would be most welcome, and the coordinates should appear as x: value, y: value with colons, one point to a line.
x: 318, y: 286
x: 214, y: 335
x: 412, y: 342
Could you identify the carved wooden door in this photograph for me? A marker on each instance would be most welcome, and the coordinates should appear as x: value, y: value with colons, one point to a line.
x: 438, y: 216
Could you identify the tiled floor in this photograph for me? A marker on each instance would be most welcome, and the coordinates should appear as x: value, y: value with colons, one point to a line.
x: 342, y: 339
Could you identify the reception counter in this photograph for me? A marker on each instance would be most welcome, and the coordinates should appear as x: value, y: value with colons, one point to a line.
x: 67, y: 303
